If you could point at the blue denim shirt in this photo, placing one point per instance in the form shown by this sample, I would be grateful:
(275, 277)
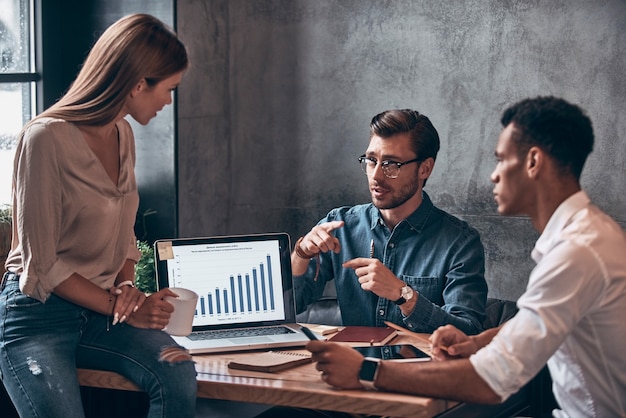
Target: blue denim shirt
(439, 256)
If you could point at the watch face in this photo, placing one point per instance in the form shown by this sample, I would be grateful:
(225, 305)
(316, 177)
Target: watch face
(368, 370)
(407, 292)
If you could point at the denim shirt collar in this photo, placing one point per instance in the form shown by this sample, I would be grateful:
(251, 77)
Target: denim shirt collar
(416, 221)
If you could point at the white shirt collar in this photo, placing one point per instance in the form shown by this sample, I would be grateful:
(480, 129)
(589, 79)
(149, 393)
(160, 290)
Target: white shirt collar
(559, 219)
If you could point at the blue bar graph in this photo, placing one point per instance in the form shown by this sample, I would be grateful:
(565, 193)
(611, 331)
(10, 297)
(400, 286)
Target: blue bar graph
(263, 299)
(271, 283)
(247, 293)
(256, 290)
(202, 310)
(240, 284)
(244, 295)
(232, 292)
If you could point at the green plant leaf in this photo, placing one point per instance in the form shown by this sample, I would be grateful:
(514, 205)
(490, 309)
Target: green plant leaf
(145, 275)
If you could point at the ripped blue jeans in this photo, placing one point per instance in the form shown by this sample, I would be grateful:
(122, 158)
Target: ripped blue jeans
(42, 344)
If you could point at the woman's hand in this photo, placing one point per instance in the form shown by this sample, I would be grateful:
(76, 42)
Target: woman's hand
(154, 312)
(128, 299)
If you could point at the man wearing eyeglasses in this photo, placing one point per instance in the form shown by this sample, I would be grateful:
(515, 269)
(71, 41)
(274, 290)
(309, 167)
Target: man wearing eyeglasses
(398, 258)
(572, 312)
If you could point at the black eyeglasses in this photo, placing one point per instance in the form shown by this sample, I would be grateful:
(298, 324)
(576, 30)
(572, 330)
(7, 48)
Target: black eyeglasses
(391, 169)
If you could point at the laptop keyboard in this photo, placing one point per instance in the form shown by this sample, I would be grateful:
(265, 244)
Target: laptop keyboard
(235, 333)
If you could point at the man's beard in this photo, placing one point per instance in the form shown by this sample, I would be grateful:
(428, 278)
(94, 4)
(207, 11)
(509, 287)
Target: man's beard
(398, 198)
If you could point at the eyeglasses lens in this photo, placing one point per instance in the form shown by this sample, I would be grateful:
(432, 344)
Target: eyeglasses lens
(389, 170)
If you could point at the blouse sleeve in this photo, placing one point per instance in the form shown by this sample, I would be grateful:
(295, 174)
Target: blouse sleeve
(133, 252)
(38, 203)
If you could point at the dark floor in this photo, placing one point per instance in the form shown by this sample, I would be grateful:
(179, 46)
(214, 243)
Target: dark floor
(99, 403)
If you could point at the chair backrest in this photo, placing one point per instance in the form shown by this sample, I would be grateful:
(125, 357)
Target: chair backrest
(324, 311)
(498, 311)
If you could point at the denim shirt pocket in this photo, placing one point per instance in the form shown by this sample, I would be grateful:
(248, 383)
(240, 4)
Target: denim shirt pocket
(429, 287)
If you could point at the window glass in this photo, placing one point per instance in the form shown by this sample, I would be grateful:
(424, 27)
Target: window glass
(13, 110)
(15, 36)
(16, 103)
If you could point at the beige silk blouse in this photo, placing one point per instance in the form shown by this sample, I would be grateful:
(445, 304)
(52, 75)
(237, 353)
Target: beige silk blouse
(70, 216)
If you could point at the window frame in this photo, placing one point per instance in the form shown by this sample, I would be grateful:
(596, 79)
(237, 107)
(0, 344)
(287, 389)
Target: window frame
(35, 76)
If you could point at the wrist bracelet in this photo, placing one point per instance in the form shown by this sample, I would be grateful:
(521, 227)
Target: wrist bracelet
(300, 252)
(125, 283)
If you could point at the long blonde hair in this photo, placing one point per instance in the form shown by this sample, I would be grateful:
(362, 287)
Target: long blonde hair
(136, 47)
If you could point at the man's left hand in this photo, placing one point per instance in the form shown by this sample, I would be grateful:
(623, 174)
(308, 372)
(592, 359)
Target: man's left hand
(375, 277)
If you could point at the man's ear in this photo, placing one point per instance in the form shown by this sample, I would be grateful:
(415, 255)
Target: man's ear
(426, 168)
(535, 160)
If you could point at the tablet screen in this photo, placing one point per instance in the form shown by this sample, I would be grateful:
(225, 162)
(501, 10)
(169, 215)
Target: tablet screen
(404, 352)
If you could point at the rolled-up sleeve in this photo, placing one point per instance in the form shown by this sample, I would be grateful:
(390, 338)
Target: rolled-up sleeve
(562, 288)
(38, 199)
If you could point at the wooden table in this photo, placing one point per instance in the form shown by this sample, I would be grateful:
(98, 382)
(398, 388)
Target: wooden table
(299, 386)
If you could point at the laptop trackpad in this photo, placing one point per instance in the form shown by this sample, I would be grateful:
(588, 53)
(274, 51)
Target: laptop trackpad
(251, 340)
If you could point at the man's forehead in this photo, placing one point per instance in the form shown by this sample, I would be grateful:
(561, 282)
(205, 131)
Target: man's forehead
(398, 142)
(507, 139)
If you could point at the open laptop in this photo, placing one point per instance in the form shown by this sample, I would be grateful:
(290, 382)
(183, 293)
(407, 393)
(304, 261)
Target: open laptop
(245, 290)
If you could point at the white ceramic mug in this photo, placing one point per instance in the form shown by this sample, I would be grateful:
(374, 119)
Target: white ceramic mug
(181, 319)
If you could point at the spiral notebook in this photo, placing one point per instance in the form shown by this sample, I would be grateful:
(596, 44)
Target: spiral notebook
(270, 361)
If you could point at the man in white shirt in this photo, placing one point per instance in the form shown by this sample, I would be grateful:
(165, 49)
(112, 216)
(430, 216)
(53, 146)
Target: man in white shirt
(573, 312)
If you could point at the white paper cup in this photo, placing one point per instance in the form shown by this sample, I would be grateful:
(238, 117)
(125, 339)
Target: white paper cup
(184, 310)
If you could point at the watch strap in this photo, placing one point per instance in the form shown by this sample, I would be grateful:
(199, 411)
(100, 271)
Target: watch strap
(400, 301)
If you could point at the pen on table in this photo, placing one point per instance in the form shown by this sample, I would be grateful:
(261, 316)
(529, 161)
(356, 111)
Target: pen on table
(406, 331)
(309, 333)
(372, 249)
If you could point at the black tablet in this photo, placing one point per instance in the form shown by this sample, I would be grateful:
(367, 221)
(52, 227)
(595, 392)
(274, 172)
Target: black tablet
(399, 352)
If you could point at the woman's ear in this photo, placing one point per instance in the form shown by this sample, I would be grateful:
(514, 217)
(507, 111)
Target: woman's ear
(139, 87)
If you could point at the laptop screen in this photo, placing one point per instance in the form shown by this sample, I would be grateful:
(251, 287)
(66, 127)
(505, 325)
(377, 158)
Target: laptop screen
(240, 280)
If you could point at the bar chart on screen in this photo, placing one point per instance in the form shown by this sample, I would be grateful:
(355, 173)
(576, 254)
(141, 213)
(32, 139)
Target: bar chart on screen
(233, 281)
(249, 293)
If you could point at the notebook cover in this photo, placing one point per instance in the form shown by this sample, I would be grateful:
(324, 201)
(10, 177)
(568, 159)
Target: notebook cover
(365, 335)
(271, 361)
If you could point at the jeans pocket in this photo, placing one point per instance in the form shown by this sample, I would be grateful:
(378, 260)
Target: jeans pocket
(17, 300)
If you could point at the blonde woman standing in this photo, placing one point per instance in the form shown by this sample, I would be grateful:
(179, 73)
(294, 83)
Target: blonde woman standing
(67, 295)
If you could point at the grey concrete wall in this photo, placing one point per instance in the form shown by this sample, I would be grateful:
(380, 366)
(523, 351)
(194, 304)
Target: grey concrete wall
(276, 107)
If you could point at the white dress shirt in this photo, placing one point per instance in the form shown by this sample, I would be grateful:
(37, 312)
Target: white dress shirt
(572, 316)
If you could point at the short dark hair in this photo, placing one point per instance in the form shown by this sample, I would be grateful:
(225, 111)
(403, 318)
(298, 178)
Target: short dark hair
(559, 128)
(424, 136)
